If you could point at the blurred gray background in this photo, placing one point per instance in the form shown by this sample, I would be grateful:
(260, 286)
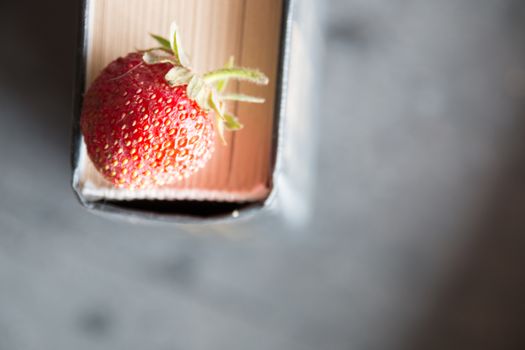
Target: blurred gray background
(417, 239)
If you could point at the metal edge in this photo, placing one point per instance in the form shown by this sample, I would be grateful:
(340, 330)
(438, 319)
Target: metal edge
(110, 210)
(79, 84)
(282, 90)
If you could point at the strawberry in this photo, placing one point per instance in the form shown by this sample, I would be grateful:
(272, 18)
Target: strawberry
(148, 119)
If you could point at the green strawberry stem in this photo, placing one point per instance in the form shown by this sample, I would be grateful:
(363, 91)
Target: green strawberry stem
(205, 89)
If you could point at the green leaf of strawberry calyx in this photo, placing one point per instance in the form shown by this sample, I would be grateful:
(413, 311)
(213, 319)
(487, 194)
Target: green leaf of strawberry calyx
(157, 56)
(177, 76)
(237, 73)
(163, 42)
(232, 123)
(221, 85)
(243, 98)
(196, 90)
(206, 89)
(195, 87)
(215, 104)
(176, 45)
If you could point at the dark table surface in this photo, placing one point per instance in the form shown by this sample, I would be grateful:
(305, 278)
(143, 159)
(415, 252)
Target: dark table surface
(418, 234)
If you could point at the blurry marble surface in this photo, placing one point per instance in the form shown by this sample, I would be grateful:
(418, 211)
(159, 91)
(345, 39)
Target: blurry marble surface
(418, 235)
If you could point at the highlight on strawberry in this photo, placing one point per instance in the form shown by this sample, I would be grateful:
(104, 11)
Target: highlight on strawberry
(148, 119)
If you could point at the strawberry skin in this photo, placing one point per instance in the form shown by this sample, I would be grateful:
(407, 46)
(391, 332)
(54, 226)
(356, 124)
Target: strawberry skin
(140, 131)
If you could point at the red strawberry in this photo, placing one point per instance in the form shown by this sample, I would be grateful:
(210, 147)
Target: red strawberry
(141, 131)
(146, 119)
